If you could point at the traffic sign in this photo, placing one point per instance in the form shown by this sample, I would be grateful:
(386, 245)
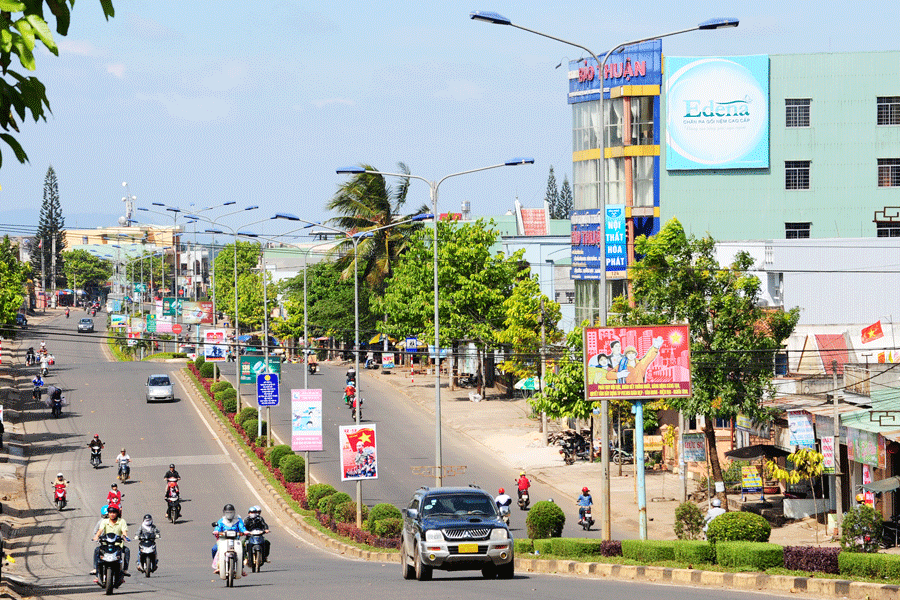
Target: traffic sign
(176, 328)
(267, 389)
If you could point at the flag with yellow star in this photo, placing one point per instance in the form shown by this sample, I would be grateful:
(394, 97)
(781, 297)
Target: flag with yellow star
(872, 332)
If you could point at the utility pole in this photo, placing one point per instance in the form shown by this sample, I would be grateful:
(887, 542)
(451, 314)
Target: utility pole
(43, 272)
(53, 266)
(544, 374)
(838, 495)
(682, 464)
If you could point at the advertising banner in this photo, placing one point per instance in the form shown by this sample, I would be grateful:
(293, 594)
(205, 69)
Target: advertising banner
(151, 323)
(158, 307)
(137, 324)
(862, 446)
(802, 434)
(252, 366)
(359, 455)
(267, 389)
(195, 312)
(745, 423)
(164, 324)
(616, 238)
(215, 348)
(694, 447)
(387, 360)
(306, 420)
(637, 363)
(751, 481)
(169, 307)
(117, 320)
(828, 454)
(717, 112)
(412, 344)
(589, 231)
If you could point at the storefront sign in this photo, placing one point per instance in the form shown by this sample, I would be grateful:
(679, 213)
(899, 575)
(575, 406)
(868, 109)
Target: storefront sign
(751, 480)
(802, 434)
(616, 238)
(694, 447)
(638, 64)
(359, 455)
(862, 446)
(638, 363)
(717, 112)
(828, 453)
(306, 420)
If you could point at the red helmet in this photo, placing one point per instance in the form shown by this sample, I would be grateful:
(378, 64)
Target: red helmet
(501, 491)
(96, 436)
(584, 490)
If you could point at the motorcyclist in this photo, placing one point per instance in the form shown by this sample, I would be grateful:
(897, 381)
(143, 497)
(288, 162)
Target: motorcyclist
(43, 348)
(172, 493)
(351, 376)
(114, 497)
(38, 383)
(60, 482)
(148, 531)
(713, 512)
(114, 523)
(45, 362)
(96, 444)
(55, 396)
(502, 498)
(67, 312)
(172, 474)
(230, 521)
(349, 392)
(30, 356)
(523, 483)
(123, 460)
(584, 500)
(255, 521)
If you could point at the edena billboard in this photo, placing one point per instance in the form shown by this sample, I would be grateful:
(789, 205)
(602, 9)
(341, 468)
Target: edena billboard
(717, 112)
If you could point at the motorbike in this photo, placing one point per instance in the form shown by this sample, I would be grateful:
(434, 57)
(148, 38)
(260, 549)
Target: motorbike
(586, 520)
(504, 513)
(110, 572)
(371, 363)
(124, 472)
(95, 457)
(59, 495)
(67, 313)
(230, 556)
(312, 367)
(524, 499)
(621, 456)
(173, 508)
(56, 405)
(147, 552)
(353, 408)
(256, 544)
(93, 312)
(45, 370)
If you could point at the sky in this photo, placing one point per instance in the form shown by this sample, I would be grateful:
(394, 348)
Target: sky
(199, 103)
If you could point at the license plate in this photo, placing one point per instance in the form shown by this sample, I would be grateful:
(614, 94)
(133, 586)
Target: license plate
(468, 548)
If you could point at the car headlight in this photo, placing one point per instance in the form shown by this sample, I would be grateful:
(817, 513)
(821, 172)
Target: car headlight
(433, 535)
(499, 533)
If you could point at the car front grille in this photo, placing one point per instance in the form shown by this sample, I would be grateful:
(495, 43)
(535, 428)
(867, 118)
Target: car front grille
(453, 550)
(467, 534)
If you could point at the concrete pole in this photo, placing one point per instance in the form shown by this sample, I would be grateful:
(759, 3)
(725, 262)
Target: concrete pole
(682, 464)
(53, 265)
(838, 496)
(43, 274)
(544, 440)
(639, 468)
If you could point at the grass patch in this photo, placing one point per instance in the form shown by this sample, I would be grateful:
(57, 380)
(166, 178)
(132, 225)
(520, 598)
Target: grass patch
(315, 523)
(116, 351)
(165, 355)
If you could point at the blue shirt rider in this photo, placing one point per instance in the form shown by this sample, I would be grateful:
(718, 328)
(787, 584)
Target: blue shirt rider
(584, 500)
(230, 521)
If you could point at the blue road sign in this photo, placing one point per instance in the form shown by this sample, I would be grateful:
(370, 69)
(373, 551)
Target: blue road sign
(267, 389)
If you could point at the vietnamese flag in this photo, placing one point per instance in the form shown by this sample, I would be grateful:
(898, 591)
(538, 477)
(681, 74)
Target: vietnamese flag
(366, 436)
(872, 332)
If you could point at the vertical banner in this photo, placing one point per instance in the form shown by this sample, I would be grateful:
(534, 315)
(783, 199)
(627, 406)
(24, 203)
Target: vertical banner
(801, 427)
(387, 360)
(867, 478)
(694, 447)
(306, 420)
(214, 348)
(158, 307)
(616, 238)
(637, 363)
(207, 308)
(168, 307)
(828, 453)
(359, 456)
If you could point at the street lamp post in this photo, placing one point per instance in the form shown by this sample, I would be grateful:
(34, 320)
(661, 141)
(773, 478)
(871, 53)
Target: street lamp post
(433, 191)
(719, 23)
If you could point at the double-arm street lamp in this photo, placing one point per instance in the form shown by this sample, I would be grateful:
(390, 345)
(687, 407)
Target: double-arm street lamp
(719, 23)
(433, 190)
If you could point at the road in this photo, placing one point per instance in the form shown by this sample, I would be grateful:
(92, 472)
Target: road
(107, 398)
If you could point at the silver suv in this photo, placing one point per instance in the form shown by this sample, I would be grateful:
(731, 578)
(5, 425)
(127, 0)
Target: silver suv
(454, 529)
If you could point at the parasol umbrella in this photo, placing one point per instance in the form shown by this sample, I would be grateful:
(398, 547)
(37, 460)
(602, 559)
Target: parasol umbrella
(767, 451)
(530, 383)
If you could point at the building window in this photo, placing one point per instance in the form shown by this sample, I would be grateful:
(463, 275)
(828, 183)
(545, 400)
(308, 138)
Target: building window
(889, 110)
(887, 228)
(796, 112)
(796, 175)
(586, 126)
(889, 172)
(84, 239)
(796, 231)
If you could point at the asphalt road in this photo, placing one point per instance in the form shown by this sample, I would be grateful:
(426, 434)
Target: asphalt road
(107, 398)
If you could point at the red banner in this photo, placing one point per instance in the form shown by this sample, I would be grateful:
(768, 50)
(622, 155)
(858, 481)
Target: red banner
(872, 332)
(637, 363)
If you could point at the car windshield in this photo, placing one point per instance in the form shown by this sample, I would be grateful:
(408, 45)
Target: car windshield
(459, 504)
(86, 321)
(159, 380)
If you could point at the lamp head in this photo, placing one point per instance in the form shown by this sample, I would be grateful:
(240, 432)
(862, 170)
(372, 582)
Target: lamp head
(251, 208)
(519, 160)
(229, 203)
(718, 23)
(422, 217)
(217, 231)
(489, 17)
(351, 171)
(286, 217)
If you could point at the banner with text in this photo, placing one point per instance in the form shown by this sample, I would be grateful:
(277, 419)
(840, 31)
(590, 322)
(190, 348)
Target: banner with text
(251, 366)
(215, 349)
(306, 420)
(359, 455)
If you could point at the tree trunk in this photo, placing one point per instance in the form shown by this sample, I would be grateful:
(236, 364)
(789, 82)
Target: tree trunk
(479, 376)
(710, 432)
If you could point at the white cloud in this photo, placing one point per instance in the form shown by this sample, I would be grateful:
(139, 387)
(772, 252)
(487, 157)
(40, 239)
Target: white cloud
(78, 47)
(461, 90)
(321, 103)
(226, 77)
(117, 69)
(200, 108)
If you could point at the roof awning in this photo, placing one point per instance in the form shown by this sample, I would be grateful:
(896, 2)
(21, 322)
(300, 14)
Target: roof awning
(767, 451)
(883, 485)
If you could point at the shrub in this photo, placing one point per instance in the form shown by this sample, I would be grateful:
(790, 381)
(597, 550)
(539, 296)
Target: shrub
(874, 566)
(648, 551)
(541, 546)
(179, 355)
(545, 519)
(688, 521)
(389, 527)
(811, 558)
(198, 362)
(220, 385)
(276, 453)
(246, 413)
(208, 370)
(695, 552)
(738, 527)
(611, 548)
(575, 547)
(251, 429)
(292, 467)
(316, 492)
(226, 394)
(328, 503)
(758, 555)
(229, 406)
(345, 512)
(383, 511)
(861, 529)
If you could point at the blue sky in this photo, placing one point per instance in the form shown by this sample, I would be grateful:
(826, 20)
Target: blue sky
(199, 103)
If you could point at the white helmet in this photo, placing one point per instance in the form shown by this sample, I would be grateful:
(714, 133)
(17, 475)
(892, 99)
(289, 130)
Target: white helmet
(716, 503)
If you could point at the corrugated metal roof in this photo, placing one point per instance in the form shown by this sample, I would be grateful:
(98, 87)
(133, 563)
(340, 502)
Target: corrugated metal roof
(882, 418)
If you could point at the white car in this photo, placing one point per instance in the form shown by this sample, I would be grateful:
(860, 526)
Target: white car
(159, 387)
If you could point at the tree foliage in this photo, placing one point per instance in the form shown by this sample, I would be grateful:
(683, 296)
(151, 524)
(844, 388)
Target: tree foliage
(733, 339)
(551, 198)
(522, 327)
(21, 25)
(13, 276)
(566, 202)
(150, 268)
(50, 227)
(249, 285)
(85, 269)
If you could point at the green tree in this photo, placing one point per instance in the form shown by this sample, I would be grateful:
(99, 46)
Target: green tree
(566, 203)
(50, 227)
(21, 24)
(13, 277)
(86, 270)
(522, 327)
(249, 285)
(551, 198)
(733, 339)
(150, 270)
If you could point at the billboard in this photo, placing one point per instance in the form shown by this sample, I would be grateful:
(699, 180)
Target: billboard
(215, 347)
(306, 420)
(589, 230)
(196, 312)
(637, 363)
(251, 366)
(117, 320)
(717, 112)
(359, 455)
